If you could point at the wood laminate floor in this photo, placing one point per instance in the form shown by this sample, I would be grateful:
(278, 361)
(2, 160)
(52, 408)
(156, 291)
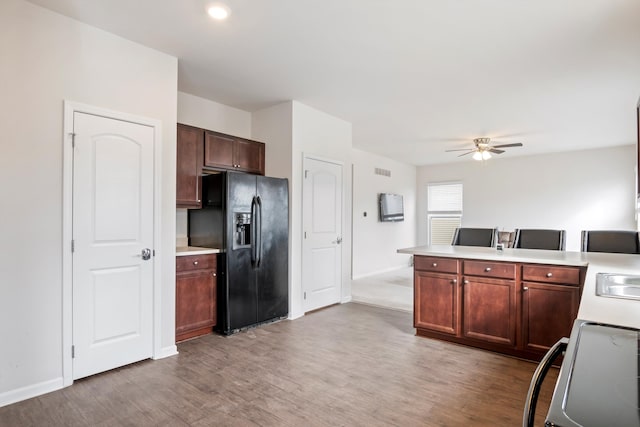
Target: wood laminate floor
(348, 365)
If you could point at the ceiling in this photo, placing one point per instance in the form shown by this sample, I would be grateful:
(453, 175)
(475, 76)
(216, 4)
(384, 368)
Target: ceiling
(414, 77)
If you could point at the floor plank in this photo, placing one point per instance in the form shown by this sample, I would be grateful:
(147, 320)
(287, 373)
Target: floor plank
(347, 365)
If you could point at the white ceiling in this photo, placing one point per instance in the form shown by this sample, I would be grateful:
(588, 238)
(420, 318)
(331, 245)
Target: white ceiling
(414, 77)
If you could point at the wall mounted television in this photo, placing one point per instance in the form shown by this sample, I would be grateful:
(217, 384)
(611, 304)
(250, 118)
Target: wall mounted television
(391, 207)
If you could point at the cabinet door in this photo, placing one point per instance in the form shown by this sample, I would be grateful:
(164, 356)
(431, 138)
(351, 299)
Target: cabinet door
(249, 156)
(548, 312)
(490, 310)
(195, 302)
(436, 302)
(218, 151)
(189, 167)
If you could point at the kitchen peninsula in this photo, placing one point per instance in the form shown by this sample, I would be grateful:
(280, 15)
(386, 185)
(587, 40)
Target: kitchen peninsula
(515, 301)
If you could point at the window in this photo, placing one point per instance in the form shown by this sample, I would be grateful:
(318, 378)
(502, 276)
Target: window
(444, 211)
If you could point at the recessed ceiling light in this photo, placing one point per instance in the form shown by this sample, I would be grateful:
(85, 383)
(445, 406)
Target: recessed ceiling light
(219, 12)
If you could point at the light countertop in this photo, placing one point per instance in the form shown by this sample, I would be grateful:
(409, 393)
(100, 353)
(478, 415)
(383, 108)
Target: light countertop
(194, 250)
(615, 311)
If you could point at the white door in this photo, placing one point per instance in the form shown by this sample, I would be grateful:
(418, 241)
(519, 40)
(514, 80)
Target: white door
(112, 225)
(322, 235)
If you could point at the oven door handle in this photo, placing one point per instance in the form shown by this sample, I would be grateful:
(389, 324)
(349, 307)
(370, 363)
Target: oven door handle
(538, 376)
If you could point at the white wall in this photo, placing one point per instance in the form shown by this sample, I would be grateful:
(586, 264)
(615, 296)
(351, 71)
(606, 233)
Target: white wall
(46, 59)
(211, 115)
(590, 189)
(206, 114)
(374, 242)
(316, 133)
(291, 129)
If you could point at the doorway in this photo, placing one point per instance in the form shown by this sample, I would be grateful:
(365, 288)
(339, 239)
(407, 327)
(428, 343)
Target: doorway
(111, 220)
(322, 202)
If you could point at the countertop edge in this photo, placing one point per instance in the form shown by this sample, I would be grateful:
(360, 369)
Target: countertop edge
(193, 250)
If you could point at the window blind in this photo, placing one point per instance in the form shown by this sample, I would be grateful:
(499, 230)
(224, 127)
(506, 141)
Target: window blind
(441, 228)
(444, 197)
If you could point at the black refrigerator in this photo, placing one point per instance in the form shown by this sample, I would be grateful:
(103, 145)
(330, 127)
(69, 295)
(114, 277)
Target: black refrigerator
(248, 217)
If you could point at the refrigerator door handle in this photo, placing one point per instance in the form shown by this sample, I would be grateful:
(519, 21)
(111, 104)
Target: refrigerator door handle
(259, 234)
(253, 232)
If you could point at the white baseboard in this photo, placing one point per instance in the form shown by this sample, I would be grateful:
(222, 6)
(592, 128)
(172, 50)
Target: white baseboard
(24, 393)
(168, 351)
(297, 315)
(375, 273)
(346, 299)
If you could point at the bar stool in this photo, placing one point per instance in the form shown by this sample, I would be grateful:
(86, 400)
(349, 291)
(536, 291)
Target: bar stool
(464, 236)
(612, 241)
(540, 239)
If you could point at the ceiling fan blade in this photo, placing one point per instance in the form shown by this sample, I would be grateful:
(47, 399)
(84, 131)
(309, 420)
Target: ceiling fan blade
(469, 152)
(493, 150)
(460, 149)
(516, 144)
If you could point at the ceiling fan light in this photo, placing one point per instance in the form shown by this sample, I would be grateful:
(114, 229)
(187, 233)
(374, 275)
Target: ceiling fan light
(486, 155)
(477, 156)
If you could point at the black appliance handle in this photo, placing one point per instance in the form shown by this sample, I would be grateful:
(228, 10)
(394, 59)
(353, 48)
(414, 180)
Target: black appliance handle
(259, 234)
(536, 381)
(252, 230)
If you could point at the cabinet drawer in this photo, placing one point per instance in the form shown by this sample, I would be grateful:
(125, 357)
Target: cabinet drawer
(501, 270)
(195, 262)
(551, 274)
(438, 265)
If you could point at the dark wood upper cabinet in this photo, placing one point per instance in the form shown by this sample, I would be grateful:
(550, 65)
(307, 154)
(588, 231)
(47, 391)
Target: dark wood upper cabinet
(218, 150)
(638, 150)
(229, 152)
(190, 144)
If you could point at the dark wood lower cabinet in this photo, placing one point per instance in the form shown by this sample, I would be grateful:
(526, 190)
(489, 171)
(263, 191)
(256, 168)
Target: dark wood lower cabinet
(522, 311)
(437, 302)
(548, 312)
(490, 310)
(195, 295)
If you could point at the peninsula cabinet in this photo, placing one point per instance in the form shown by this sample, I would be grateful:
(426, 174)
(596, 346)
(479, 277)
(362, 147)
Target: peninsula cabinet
(190, 146)
(437, 295)
(196, 312)
(229, 152)
(490, 302)
(514, 308)
(550, 300)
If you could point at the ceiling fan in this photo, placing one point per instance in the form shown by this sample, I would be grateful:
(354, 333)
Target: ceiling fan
(483, 149)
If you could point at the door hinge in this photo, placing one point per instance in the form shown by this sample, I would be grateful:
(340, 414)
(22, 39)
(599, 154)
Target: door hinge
(73, 139)
(305, 234)
(153, 252)
(73, 246)
(306, 173)
(73, 351)
(305, 295)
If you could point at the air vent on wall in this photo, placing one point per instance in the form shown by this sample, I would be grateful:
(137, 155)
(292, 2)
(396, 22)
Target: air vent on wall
(383, 172)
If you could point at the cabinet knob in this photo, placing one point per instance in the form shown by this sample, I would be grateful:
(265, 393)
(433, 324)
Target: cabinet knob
(213, 274)
(466, 282)
(488, 269)
(454, 281)
(198, 200)
(195, 262)
(549, 274)
(435, 264)
(525, 288)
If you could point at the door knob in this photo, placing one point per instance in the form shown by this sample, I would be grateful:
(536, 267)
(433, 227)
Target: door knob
(146, 254)
(338, 240)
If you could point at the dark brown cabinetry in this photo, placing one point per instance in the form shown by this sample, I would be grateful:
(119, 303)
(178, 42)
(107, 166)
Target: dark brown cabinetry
(195, 295)
(515, 308)
(490, 302)
(550, 300)
(229, 152)
(190, 145)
